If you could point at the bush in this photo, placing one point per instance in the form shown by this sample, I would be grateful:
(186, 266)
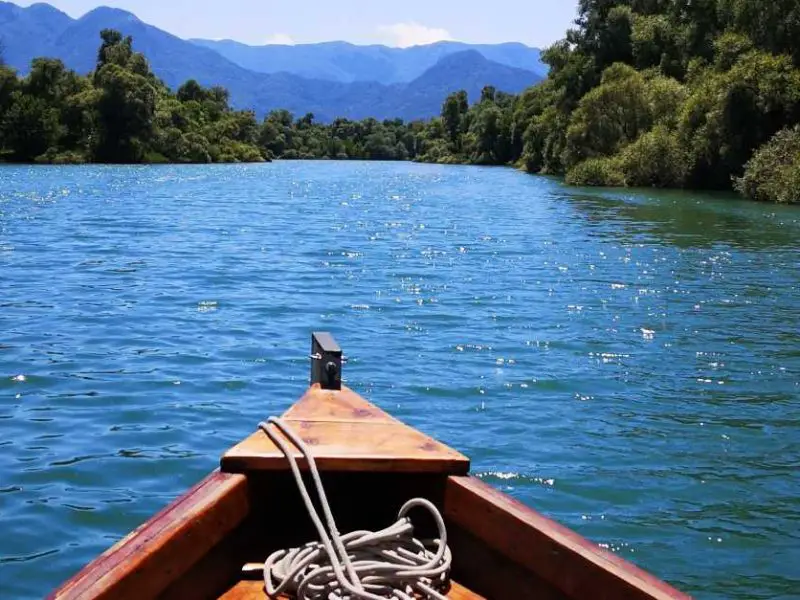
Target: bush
(54, 157)
(656, 159)
(596, 172)
(773, 174)
(155, 158)
(610, 116)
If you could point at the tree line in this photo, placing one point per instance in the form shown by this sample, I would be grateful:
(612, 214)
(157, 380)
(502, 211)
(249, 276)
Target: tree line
(668, 93)
(672, 93)
(122, 113)
(702, 94)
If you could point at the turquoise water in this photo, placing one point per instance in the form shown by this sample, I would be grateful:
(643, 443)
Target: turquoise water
(627, 363)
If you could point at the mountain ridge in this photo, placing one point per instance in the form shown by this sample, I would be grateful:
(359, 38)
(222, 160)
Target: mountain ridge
(41, 30)
(347, 62)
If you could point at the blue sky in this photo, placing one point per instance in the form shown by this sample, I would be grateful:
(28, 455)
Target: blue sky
(392, 22)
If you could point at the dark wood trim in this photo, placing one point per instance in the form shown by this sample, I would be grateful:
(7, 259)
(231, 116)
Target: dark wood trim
(146, 562)
(561, 557)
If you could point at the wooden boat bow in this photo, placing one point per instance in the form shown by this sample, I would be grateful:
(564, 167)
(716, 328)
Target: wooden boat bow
(347, 433)
(502, 549)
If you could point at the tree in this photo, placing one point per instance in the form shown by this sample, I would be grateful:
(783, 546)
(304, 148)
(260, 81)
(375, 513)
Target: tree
(773, 25)
(126, 109)
(30, 127)
(51, 81)
(113, 49)
(610, 116)
(773, 174)
(453, 111)
(488, 94)
(191, 91)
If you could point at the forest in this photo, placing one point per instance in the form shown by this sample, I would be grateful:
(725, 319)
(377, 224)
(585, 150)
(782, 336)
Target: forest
(701, 94)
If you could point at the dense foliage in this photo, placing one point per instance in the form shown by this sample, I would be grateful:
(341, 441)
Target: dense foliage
(773, 174)
(120, 113)
(667, 93)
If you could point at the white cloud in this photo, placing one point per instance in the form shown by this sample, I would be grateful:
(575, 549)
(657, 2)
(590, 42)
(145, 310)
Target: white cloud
(412, 33)
(280, 39)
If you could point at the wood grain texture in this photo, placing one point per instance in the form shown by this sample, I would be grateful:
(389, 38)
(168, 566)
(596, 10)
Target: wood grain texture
(217, 571)
(492, 574)
(153, 556)
(254, 590)
(347, 433)
(559, 556)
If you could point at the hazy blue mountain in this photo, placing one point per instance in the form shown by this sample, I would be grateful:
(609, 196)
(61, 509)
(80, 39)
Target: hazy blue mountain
(468, 70)
(341, 61)
(40, 30)
(27, 32)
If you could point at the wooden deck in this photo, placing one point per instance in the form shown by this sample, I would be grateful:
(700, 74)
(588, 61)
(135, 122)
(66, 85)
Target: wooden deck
(347, 433)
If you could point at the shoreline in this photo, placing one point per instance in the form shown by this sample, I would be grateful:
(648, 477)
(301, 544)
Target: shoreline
(560, 178)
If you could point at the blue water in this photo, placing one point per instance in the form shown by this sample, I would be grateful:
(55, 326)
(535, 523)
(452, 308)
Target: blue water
(625, 362)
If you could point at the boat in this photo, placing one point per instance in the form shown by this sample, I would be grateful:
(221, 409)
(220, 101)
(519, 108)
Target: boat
(213, 541)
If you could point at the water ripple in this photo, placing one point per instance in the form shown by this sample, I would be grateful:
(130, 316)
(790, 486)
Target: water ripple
(626, 363)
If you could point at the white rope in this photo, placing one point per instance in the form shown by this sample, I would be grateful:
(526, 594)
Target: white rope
(363, 565)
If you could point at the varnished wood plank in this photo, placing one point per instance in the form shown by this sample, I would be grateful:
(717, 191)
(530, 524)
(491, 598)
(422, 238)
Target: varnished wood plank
(347, 433)
(569, 562)
(323, 405)
(254, 590)
(218, 570)
(153, 556)
(492, 574)
(459, 592)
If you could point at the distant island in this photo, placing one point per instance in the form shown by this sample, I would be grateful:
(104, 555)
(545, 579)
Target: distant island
(668, 95)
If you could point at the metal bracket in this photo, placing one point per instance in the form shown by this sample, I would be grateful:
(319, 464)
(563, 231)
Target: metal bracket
(326, 361)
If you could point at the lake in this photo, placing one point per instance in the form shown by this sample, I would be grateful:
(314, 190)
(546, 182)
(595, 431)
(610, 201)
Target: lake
(626, 362)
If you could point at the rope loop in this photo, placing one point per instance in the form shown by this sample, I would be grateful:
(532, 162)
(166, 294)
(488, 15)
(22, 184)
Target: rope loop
(361, 565)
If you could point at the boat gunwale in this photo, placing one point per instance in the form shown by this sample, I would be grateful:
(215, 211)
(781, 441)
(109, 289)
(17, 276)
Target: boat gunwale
(542, 546)
(161, 551)
(184, 531)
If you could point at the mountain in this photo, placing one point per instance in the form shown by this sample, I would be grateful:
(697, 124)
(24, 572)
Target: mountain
(341, 61)
(468, 70)
(26, 32)
(41, 30)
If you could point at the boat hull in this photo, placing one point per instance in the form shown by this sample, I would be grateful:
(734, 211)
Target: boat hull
(196, 547)
(204, 545)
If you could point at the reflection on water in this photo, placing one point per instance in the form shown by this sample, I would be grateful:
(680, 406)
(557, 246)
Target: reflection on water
(689, 219)
(624, 361)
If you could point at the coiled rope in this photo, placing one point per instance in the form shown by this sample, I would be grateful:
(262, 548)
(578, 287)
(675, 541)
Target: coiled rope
(381, 565)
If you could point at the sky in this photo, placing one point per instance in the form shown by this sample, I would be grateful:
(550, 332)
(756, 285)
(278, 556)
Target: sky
(392, 22)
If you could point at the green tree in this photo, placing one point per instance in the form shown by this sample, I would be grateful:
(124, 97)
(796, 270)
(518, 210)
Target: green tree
(126, 108)
(453, 111)
(191, 91)
(773, 174)
(30, 127)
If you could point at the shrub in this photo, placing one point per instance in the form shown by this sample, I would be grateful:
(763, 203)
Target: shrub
(656, 159)
(68, 157)
(773, 174)
(155, 158)
(596, 172)
(610, 116)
